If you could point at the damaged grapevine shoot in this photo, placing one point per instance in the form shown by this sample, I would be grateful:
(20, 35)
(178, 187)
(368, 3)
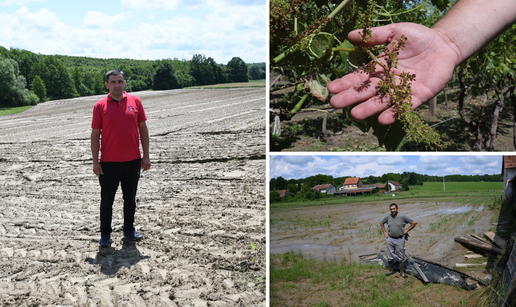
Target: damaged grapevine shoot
(309, 48)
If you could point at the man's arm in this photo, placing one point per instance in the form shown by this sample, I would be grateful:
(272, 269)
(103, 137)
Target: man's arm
(410, 227)
(472, 24)
(95, 146)
(384, 231)
(144, 138)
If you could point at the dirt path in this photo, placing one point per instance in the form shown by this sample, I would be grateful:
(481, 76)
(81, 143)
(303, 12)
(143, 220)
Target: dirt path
(201, 207)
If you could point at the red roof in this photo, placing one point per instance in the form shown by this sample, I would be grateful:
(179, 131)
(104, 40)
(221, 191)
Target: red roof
(353, 180)
(282, 193)
(395, 183)
(509, 161)
(321, 186)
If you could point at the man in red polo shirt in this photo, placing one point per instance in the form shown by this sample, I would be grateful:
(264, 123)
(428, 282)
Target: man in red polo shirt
(117, 127)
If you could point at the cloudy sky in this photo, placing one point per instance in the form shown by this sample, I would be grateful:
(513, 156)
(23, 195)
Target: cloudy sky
(302, 166)
(137, 29)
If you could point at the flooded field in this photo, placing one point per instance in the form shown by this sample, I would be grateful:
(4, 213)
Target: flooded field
(344, 232)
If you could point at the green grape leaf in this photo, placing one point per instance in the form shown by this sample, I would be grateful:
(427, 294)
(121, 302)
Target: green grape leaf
(321, 45)
(441, 4)
(318, 87)
(390, 135)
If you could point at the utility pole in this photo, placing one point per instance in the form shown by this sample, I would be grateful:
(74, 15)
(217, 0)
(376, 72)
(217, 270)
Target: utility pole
(444, 186)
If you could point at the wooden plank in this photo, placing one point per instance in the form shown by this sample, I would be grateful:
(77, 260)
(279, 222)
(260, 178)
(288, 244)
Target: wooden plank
(472, 256)
(496, 239)
(487, 248)
(479, 238)
(468, 265)
(417, 268)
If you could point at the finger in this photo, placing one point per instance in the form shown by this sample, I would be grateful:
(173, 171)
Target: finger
(370, 107)
(388, 116)
(381, 35)
(349, 80)
(355, 94)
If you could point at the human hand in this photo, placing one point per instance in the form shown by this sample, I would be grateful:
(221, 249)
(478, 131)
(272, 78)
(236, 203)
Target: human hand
(145, 164)
(97, 169)
(428, 53)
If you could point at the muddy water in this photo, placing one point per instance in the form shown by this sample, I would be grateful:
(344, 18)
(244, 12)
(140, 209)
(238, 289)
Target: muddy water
(345, 232)
(200, 208)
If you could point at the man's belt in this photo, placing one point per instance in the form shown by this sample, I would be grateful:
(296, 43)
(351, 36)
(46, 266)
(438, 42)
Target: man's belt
(396, 237)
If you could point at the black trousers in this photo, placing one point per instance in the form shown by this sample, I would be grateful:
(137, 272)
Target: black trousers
(127, 175)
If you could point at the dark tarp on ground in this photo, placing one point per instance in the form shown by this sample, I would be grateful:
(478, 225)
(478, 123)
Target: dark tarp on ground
(434, 273)
(505, 294)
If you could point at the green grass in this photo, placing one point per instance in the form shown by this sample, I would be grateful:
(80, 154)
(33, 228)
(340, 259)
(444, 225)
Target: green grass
(472, 193)
(458, 187)
(10, 111)
(252, 83)
(336, 284)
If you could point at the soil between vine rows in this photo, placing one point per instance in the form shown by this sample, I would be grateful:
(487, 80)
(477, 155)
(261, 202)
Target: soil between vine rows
(201, 207)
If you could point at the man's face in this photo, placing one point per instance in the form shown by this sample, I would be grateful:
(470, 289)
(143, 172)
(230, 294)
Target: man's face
(115, 85)
(394, 210)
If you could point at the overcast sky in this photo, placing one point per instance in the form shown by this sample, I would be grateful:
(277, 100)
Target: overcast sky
(137, 29)
(302, 166)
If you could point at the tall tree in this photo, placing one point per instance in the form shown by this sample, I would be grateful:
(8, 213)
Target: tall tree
(38, 87)
(164, 79)
(237, 70)
(12, 85)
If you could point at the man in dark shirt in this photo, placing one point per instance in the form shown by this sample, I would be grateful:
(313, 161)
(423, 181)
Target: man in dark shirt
(396, 237)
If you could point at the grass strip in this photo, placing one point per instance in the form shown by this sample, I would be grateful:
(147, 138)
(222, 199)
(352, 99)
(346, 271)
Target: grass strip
(10, 111)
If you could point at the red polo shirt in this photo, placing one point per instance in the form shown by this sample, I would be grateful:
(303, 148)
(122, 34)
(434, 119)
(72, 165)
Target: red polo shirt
(119, 124)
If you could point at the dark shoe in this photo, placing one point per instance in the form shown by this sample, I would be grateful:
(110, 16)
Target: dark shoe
(133, 235)
(104, 240)
(390, 267)
(402, 270)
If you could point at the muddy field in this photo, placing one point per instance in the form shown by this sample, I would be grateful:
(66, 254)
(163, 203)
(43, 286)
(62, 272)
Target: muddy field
(200, 208)
(345, 232)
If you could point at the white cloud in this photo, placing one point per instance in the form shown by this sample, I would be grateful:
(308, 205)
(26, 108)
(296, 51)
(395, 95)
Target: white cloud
(391, 160)
(435, 162)
(96, 20)
(223, 33)
(298, 160)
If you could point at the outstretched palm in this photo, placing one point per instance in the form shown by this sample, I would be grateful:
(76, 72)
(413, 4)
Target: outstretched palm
(427, 54)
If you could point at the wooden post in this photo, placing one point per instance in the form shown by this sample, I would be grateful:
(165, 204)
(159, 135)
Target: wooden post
(432, 105)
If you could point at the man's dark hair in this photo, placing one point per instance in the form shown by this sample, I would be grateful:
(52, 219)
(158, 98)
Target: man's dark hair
(393, 204)
(114, 72)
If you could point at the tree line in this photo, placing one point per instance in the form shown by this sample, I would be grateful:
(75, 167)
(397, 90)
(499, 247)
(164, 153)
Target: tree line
(27, 78)
(408, 178)
(300, 189)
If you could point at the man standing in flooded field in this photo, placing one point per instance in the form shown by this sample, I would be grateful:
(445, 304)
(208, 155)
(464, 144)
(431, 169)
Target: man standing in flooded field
(396, 237)
(118, 125)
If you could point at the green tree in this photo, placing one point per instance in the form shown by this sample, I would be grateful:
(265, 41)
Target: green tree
(164, 79)
(237, 70)
(281, 183)
(292, 187)
(12, 85)
(274, 196)
(38, 87)
(201, 70)
(255, 72)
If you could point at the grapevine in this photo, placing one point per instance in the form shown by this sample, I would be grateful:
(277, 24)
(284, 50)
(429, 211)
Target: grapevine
(312, 50)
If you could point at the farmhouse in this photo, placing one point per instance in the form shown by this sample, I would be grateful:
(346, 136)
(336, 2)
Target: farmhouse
(394, 185)
(283, 193)
(329, 189)
(354, 186)
(352, 183)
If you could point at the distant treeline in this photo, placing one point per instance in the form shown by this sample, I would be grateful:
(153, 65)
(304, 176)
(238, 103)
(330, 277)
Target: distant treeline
(27, 78)
(405, 178)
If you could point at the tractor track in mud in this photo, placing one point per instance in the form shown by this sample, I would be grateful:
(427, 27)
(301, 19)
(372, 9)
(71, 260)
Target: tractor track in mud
(201, 207)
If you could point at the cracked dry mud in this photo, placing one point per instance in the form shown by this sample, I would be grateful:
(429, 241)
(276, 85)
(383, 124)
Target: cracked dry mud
(201, 207)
